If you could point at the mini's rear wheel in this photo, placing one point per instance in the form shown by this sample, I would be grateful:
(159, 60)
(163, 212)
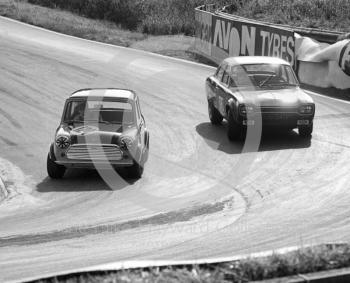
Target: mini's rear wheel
(214, 115)
(146, 152)
(305, 131)
(234, 130)
(54, 170)
(135, 171)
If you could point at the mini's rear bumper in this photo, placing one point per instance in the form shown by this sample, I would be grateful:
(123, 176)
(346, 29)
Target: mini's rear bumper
(100, 164)
(93, 156)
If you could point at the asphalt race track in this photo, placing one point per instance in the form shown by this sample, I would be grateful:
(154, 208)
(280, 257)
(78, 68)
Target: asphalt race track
(201, 196)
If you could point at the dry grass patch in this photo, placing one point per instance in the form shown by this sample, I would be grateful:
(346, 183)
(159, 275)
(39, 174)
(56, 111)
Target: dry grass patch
(69, 23)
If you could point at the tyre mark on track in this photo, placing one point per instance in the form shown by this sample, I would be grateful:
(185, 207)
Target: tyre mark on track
(223, 182)
(78, 232)
(10, 119)
(26, 99)
(8, 142)
(48, 60)
(331, 142)
(332, 116)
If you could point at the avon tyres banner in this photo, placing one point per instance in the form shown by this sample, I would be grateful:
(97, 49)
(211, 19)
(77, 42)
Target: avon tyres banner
(241, 38)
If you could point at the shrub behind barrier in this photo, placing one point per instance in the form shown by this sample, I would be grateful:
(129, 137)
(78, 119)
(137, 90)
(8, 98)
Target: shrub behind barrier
(325, 14)
(149, 16)
(124, 12)
(177, 16)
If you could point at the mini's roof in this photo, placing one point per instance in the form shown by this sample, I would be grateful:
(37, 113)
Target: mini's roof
(104, 92)
(242, 60)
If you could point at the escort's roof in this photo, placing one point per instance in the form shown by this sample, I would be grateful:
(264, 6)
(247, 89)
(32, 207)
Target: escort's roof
(105, 92)
(242, 60)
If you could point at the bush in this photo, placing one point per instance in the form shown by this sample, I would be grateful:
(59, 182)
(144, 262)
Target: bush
(328, 14)
(177, 16)
(150, 16)
(123, 12)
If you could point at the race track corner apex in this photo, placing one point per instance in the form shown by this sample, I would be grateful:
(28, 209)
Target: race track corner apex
(255, 91)
(100, 128)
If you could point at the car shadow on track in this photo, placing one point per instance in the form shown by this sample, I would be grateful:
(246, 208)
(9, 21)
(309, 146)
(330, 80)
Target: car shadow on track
(80, 180)
(216, 137)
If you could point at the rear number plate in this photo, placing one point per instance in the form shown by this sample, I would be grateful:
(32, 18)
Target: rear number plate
(248, 122)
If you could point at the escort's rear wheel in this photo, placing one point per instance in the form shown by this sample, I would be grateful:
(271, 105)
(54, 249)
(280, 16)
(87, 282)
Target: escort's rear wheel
(214, 115)
(305, 131)
(55, 171)
(234, 130)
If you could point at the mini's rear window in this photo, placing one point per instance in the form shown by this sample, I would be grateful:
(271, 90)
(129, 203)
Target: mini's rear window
(109, 105)
(119, 112)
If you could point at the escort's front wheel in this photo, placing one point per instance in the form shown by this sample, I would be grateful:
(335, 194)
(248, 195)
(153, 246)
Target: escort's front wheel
(214, 115)
(234, 130)
(306, 131)
(55, 171)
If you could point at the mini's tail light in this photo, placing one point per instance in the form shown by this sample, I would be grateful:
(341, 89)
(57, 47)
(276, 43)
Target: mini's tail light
(126, 142)
(62, 142)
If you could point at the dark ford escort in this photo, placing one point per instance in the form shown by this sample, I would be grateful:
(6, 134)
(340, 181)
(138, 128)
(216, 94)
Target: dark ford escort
(253, 91)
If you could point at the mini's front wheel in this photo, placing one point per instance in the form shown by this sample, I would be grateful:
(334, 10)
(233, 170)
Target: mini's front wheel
(54, 170)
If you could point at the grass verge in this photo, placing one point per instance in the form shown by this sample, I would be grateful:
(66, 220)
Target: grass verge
(305, 260)
(177, 16)
(66, 22)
